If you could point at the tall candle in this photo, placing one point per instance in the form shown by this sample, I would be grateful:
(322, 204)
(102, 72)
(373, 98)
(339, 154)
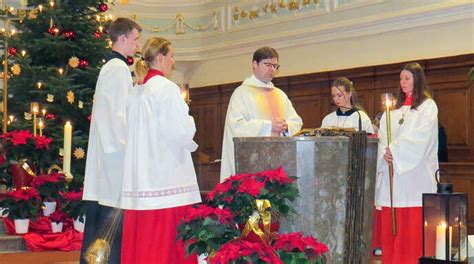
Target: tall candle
(67, 148)
(41, 126)
(441, 241)
(35, 112)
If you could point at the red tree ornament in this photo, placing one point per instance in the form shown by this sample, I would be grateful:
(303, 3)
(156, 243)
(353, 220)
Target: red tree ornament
(97, 34)
(53, 30)
(12, 51)
(50, 116)
(103, 7)
(83, 63)
(69, 34)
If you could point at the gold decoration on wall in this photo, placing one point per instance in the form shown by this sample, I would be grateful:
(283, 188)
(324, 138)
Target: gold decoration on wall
(272, 6)
(180, 24)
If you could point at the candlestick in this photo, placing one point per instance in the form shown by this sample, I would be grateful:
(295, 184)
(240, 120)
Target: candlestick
(441, 241)
(388, 104)
(67, 149)
(40, 125)
(34, 106)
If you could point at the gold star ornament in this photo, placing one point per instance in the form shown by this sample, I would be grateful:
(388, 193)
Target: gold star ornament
(73, 62)
(79, 153)
(70, 97)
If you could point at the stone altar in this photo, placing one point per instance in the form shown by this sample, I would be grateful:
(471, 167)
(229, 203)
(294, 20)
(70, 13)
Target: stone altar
(322, 165)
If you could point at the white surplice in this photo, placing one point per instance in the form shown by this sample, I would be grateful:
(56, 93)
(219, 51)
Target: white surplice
(351, 121)
(414, 149)
(247, 118)
(103, 174)
(159, 171)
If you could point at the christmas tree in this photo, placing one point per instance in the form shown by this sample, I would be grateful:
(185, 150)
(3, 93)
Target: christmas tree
(54, 60)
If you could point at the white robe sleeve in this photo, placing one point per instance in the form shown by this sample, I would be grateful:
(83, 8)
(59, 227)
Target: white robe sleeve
(411, 147)
(293, 120)
(241, 124)
(366, 123)
(180, 127)
(110, 104)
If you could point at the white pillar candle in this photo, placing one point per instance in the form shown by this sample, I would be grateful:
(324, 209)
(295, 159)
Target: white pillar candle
(441, 241)
(67, 148)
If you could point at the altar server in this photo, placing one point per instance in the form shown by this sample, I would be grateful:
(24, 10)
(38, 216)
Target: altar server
(349, 110)
(413, 153)
(159, 181)
(103, 174)
(257, 108)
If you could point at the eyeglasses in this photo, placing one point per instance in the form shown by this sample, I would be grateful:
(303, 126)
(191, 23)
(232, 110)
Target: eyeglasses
(275, 66)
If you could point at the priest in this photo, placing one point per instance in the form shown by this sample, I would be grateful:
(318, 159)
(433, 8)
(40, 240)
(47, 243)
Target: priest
(257, 108)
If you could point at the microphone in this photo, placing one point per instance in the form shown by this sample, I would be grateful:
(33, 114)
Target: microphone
(350, 108)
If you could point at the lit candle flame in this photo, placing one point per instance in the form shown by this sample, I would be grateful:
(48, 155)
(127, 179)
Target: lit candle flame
(13, 32)
(40, 8)
(23, 53)
(35, 110)
(101, 29)
(39, 85)
(43, 112)
(11, 117)
(51, 3)
(61, 71)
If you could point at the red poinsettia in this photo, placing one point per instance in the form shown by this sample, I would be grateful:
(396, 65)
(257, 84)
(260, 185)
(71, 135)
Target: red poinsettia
(42, 142)
(58, 216)
(239, 192)
(50, 185)
(246, 252)
(293, 246)
(73, 205)
(21, 145)
(22, 203)
(203, 211)
(205, 228)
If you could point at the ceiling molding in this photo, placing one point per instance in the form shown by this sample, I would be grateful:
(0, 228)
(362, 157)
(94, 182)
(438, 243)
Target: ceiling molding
(342, 30)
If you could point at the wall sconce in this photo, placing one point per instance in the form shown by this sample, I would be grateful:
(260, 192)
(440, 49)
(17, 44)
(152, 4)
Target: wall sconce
(184, 90)
(444, 226)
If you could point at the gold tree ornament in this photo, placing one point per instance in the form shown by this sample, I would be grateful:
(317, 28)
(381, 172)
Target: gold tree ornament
(33, 14)
(73, 62)
(80, 104)
(50, 98)
(16, 69)
(70, 97)
(28, 116)
(79, 153)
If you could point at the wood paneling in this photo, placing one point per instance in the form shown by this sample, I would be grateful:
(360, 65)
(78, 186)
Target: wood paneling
(461, 174)
(310, 95)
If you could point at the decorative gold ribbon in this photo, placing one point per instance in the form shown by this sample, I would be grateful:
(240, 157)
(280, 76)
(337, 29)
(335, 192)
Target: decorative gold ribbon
(27, 168)
(253, 222)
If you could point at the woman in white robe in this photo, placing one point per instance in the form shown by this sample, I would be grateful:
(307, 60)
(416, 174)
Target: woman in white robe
(348, 110)
(413, 153)
(159, 181)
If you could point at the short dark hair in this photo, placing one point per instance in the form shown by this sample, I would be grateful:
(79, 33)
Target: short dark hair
(264, 53)
(122, 26)
(421, 91)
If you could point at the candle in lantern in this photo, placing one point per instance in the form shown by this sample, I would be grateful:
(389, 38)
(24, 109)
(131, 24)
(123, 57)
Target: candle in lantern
(441, 241)
(67, 148)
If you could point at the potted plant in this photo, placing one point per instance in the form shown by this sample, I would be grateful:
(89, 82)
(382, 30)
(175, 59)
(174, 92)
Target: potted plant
(239, 193)
(74, 208)
(242, 251)
(57, 221)
(204, 229)
(22, 205)
(49, 187)
(26, 155)
(296, 248)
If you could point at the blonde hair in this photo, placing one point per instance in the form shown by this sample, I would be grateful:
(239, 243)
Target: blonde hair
(152, 47)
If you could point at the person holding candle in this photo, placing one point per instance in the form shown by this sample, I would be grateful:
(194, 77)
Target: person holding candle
(159, 181)
(103, 175)
(413, 154)
(348, 110)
